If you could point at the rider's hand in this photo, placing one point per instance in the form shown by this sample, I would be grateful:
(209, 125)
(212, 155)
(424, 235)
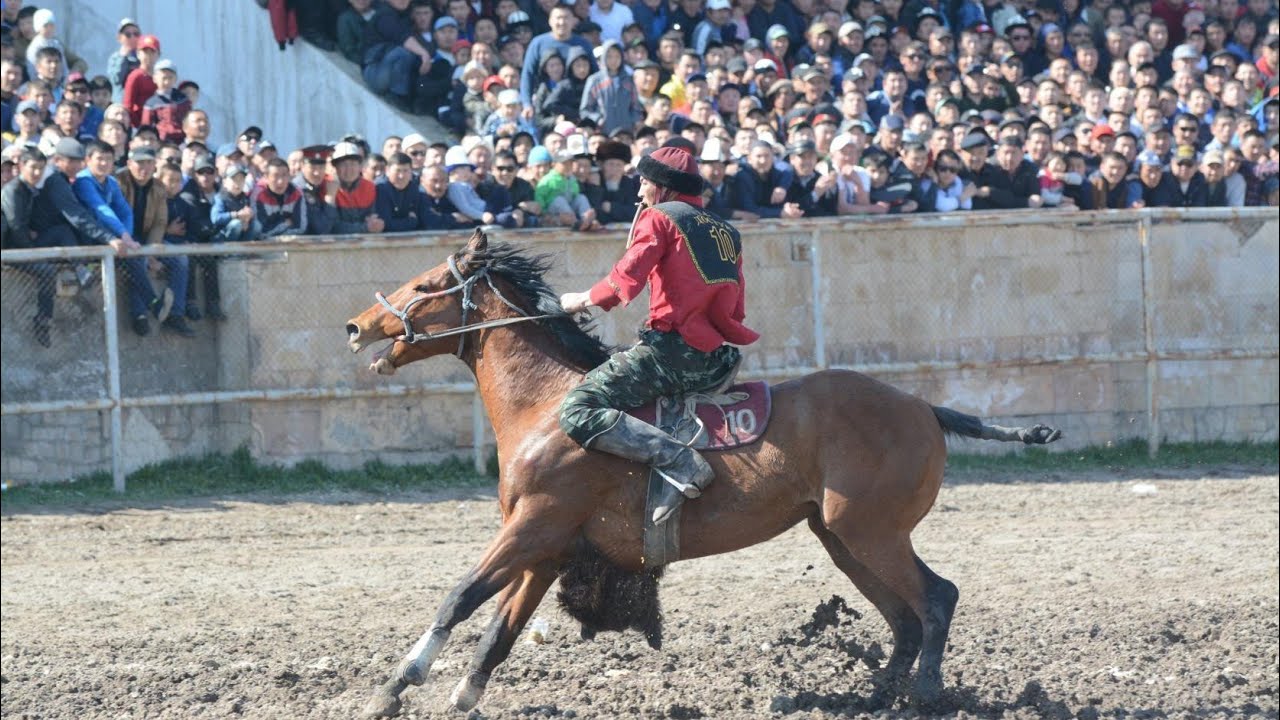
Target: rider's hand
(574, 303)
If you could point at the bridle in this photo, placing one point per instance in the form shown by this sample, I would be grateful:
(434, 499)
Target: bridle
(465, 286)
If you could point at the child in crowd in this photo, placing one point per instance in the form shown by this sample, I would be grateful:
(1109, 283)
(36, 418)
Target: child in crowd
(1052, 182)
(560, 195)
(232, 212)
(507, 117)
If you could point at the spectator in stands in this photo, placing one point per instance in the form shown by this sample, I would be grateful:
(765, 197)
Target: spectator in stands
(352, 195)
(1189, 188)
(49, 70)
(232, 212)
(198, 194)
(374, 169)
(45, 25)
(809, 190)
(609, 98)
(17, 201)
(26, 120)
(313, 183)
(462, 191)
(1211, 167)
(394, 55)
(116, 135)
(401, 203)
(67, 117)
(761, 188)
(433, 87)
(182, 226)
(140, 85)
(518, 192)
(149, 202)
(353, 25)
(508, 119)
(619, 191)
(1111, 191)
(435, 182)
(560, 195)
(100, 191)
(168, 107)
(124, 60)
(951, 192)
(562, 101)
(277, 204)
(559, 39)
(1153, 187)
(78, 91)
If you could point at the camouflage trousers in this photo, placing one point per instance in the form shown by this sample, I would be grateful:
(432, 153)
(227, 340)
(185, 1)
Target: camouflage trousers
(661, 364)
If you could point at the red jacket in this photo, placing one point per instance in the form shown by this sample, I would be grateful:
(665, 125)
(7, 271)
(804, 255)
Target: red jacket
(707, 314)
(138, 89)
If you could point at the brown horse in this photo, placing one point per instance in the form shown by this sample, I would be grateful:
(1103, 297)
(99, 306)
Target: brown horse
(860, 461)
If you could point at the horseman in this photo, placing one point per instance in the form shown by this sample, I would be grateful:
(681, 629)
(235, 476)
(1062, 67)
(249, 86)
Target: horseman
(692, 263)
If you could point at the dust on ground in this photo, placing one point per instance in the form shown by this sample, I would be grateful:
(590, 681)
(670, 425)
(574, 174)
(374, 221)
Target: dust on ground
(1094, 597)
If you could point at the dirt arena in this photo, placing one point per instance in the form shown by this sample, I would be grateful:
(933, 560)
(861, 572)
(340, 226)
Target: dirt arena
(1093, 597)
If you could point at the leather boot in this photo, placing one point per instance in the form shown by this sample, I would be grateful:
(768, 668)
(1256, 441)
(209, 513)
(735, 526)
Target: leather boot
(685, 471)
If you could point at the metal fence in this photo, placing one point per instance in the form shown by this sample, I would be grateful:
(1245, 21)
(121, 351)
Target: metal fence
(906, 298)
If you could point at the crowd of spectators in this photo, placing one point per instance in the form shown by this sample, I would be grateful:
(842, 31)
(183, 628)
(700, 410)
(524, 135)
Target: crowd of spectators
(795, 108)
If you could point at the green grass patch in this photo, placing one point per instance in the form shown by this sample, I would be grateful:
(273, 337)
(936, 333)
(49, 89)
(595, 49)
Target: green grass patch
(237, 473)
(1127, 456)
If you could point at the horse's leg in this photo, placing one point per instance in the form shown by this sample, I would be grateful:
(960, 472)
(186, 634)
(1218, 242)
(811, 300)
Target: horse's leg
(933, 598)
(517, 547)
(903, 621)
(516, 604)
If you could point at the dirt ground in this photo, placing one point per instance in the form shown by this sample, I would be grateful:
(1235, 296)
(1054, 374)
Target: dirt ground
(1099, 596)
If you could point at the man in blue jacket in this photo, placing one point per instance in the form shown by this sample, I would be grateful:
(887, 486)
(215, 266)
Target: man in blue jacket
(560, 39)
(98, 190)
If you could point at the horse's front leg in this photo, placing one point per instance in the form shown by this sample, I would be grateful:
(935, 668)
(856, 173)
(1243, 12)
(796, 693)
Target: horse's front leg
(527, 540)
(516, 604)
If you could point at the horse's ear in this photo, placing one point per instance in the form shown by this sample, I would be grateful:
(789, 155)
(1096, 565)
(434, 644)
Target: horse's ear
(477, 245)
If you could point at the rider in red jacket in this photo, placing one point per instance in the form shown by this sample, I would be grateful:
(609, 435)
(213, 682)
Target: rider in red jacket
(692, 262)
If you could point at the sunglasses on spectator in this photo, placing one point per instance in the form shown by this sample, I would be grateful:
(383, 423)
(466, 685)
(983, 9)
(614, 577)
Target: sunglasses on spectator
(1187, 128)
(948, 169)
(132, 34)
(418, 153)
(504, 168)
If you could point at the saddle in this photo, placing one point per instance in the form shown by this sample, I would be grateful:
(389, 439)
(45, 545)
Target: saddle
(722, 417)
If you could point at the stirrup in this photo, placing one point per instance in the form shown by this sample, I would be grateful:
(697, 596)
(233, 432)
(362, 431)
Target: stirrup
(672, 499)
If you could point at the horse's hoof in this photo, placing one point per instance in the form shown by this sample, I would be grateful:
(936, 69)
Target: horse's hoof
(468, 692)
(927, 693)
(382, 705)
(412, 673)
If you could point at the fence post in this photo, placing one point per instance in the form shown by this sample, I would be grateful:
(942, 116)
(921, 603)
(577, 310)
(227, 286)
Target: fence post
(109, 316)
(1149, 343)
(819, 316)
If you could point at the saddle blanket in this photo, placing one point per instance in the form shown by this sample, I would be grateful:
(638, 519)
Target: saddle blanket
(733, 418)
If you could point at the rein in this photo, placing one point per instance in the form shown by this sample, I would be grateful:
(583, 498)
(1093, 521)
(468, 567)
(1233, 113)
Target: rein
(465, 286)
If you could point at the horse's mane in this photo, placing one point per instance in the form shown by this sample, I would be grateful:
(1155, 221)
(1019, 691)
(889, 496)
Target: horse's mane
(526, 274)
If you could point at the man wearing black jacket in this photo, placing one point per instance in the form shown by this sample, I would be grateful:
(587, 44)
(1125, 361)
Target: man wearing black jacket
(17, 199)
(198, 193)
(1010, 182)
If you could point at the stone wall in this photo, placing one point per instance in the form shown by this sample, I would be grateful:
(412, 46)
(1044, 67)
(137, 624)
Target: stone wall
(1016, 317)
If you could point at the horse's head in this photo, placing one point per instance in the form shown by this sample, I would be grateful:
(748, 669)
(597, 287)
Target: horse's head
(431, 302)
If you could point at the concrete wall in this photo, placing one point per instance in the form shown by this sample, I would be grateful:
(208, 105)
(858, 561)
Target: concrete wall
(299, 96)
(976, 313)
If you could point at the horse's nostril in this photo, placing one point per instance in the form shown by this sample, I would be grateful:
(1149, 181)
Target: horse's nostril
(353, 331)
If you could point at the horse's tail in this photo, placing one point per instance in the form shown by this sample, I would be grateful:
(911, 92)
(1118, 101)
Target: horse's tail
(958, 423)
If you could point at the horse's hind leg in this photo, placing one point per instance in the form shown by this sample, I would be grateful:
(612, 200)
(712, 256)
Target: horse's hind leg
(932, 597)
(516, 604)
(903, 621)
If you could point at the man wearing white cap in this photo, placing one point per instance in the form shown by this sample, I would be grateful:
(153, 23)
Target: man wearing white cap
(712, 26)
(715, 194)
(508, 116)
(415, 146)
(45, 24)
(168, 107)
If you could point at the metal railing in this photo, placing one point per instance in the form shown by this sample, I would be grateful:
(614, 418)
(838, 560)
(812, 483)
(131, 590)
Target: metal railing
(238, 368)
